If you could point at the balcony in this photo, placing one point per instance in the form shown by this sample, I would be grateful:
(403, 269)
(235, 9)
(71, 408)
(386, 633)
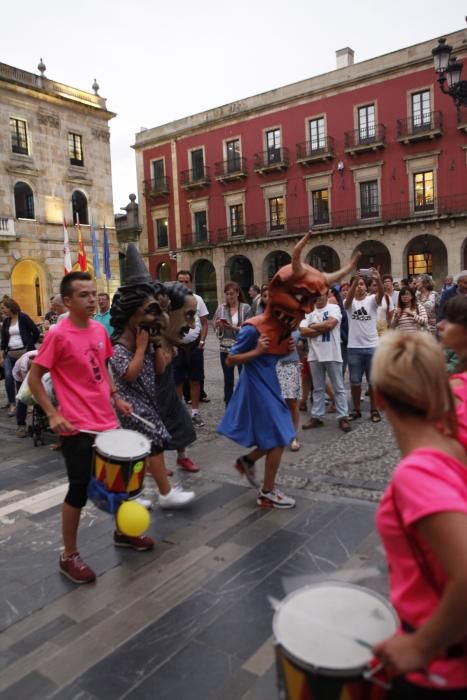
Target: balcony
(200, 239)
(159, 187)
(362, 140)
(462, 119)
(272, 160)
(195, 178)
(423, 127)
(230, 170)
(315, 152)
(7, 227)
(229, 234)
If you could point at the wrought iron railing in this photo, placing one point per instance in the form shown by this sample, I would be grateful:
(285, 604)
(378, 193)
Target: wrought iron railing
(309, 149)
(273, 157)
(419, 123)
(195, 176)
(367, 136)
(231, 167)
(156, 186)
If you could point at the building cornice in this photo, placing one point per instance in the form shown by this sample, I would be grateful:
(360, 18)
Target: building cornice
(416, 57)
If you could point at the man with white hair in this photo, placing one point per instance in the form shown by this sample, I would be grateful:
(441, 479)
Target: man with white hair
(459, 288)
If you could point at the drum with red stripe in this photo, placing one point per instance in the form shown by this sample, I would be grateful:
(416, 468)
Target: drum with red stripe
(119, 460)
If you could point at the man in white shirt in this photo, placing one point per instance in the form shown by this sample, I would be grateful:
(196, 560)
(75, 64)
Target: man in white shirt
(188, 364)
(362, 311)
(322, 328)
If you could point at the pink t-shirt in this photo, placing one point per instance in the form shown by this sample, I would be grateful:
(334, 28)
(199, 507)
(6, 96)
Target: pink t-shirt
(460, 395)
(76, 358)
(425, 482)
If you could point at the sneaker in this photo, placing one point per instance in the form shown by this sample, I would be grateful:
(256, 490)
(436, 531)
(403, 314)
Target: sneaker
(75, 569)
(295, 445)
(247, 469)
(145, 502)
(22, 432)
(197, 420)
(176, 498)
(139, 544)
(275, 499)
(187, 464)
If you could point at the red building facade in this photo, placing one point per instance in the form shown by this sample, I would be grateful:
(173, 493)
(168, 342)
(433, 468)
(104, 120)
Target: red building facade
(370, 156)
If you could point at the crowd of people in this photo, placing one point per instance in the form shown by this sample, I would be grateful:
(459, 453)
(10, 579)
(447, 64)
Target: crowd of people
(131, 362)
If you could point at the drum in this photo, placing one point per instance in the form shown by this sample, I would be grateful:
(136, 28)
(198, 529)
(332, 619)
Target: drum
(320, 634)
(119, 460)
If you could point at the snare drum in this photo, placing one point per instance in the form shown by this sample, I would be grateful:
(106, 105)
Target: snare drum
(119, 460)
(315, 629)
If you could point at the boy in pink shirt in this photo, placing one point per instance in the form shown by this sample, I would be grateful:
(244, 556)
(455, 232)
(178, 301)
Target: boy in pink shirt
(76, 354)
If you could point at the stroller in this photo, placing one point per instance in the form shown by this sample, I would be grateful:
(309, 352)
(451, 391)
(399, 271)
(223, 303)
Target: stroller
(39, 425)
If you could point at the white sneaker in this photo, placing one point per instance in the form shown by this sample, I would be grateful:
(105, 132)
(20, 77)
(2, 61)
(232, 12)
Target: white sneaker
(146, 502)
(176, 498)
(275, 499)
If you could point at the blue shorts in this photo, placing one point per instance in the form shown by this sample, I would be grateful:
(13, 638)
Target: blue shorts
(359, 361)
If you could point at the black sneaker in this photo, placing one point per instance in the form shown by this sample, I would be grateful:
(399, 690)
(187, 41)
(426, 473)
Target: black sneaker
(247, 469)
(197, 420)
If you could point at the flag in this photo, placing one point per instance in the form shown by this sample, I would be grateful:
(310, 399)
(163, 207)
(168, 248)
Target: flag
(82, 262)
(107, 271)
(95, 254)
(66, 250)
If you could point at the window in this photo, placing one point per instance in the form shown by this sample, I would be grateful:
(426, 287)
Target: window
(276, 213)
(423, 191)
(162, 233)
(317, 134)
(420, 263)
(273, 146)
(19, 136)
(233, 156)
(197, 164)
(236, 219)
(75, 149)
(158, 171)
(421, 110)
(201, 228)
(24, 201)
(320, 206)
(366, 123)
(369, 205)
(79, 204)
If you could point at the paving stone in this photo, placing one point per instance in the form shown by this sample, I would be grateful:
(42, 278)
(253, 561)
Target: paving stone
(34, 686)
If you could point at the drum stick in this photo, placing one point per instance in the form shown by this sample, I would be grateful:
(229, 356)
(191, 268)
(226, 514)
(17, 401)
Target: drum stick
(144, 420)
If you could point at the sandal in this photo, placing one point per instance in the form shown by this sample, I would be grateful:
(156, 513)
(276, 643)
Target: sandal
(354, 414)
(313, 423)
(375, 416)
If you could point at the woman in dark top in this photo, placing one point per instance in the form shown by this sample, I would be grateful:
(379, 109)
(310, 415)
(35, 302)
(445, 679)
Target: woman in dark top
(19, 334)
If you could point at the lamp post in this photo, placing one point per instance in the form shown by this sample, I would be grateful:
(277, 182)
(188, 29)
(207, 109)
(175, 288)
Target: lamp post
(449, 70)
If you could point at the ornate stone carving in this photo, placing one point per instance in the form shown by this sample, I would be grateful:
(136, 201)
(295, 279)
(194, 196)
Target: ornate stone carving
(47, 119)
(101, 135)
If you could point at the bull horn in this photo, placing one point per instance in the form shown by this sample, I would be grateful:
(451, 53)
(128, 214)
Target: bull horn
(297, 267)
(331, 277)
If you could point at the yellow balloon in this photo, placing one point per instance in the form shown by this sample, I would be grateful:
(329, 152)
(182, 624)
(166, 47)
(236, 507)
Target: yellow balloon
(132, 519)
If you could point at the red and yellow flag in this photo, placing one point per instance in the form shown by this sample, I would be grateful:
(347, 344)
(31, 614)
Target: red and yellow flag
(82, 262)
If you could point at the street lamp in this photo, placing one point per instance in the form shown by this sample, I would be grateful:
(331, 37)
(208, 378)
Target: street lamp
(449, 70)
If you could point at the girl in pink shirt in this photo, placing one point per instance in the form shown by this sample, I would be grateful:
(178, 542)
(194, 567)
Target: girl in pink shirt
(453, 335)
(422, 521)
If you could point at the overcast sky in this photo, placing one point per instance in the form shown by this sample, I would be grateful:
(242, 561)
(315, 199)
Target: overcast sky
(158, 60)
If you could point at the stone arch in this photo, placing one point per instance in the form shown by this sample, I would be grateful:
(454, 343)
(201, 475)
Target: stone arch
(29, 288)
(164, 272)
(79, 203)
(24, 200)
(374, 254)
(273, 262)
(205, 282)
(324, 258)
(239, 269)
(426, 254)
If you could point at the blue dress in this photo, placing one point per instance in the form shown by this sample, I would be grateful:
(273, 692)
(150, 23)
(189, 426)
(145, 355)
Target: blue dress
(257, 415)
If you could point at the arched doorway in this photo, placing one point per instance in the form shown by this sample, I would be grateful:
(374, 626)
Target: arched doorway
(205, 284)
(240, 270)
(273, 262)
(29, 289)
(374, 254)
(323, 258)
(164, 273)
(426, 254)
(79, 205)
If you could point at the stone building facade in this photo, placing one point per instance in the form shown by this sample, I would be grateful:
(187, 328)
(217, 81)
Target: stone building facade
(371, 155)
(54, 164)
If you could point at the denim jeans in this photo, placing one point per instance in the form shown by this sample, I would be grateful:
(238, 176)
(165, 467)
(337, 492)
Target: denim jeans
(359, 360)
(229, 378)
(333, 370)
(8, 365)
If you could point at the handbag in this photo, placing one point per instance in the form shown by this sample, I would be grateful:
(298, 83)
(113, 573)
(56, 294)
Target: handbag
(16, 354)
